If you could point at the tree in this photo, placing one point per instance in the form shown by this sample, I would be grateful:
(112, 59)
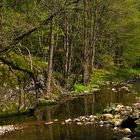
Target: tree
(50, 59)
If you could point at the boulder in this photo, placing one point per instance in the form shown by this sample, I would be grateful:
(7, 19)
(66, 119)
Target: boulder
(127, 131)
(108, 116)
(118, 122)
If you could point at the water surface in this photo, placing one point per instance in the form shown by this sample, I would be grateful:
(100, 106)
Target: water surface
(34, 127)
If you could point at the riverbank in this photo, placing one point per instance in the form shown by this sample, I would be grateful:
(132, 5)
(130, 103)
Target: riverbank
(83, 111)
(101, 78)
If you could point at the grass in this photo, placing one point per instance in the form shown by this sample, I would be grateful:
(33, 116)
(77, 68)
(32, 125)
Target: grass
(101, 75)
(78, 88)
(119, 74)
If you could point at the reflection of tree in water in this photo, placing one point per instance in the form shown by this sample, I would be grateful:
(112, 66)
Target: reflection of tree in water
(50, 126)
(85, 106)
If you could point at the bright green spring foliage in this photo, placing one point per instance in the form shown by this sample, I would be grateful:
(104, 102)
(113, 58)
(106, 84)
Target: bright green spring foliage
(104, 31)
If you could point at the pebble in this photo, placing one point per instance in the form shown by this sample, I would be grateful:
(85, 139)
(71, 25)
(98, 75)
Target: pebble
(68, 121)
(79, 123)
(125, 138)
(48, 123)
(55, 120)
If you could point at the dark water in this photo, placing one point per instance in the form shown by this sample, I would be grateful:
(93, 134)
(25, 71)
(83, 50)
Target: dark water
(34, 127)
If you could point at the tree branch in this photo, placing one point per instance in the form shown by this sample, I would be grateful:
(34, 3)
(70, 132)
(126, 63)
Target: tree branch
(15, 67)
(15, 41)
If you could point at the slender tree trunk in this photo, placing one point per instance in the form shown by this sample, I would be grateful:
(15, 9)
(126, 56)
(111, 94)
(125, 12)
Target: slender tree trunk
(0, 15)
(94, 38)
(50, 61)
(85, 44)
(66, 51)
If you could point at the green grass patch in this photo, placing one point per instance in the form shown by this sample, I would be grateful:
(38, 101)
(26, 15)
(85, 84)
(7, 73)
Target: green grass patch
(101, 75)
(119, 74)
(78, 88)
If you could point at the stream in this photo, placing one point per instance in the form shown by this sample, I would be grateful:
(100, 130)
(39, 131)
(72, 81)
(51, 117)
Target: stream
(34, 127)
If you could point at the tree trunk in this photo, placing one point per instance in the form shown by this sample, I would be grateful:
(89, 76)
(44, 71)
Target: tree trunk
(50, 60)
(0, 15)
(85, 44)
(66, 51)
(94, 38)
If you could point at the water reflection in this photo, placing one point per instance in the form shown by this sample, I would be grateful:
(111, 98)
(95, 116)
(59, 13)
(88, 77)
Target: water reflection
(35, 128)
(85, 105)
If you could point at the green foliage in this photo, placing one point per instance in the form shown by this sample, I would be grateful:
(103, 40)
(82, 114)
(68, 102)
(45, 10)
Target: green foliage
(78, 88)
(123, 74)
(107, 61)
(100, 75)
(117, 40)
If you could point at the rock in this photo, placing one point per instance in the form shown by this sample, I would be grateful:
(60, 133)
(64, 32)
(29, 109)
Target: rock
(95, 89)
(92, 120)
(55, 120)
(115, 128)
(87, 119)
(68, 121)
(108, 116)
(62, 123)
(86, 91)
(8, 128)
(125, 88)
(127, 130)
(118, 122)
(79, 123)
(117, 116)
(125, 138)
(88, 123)
(76, 120)
(48, 123)
(119, 108)
(136, 105)
(138, 122)
(101, 122)
(108, 125)
(138, 99)
(125, 113)
(82, 118)
(114, 90)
